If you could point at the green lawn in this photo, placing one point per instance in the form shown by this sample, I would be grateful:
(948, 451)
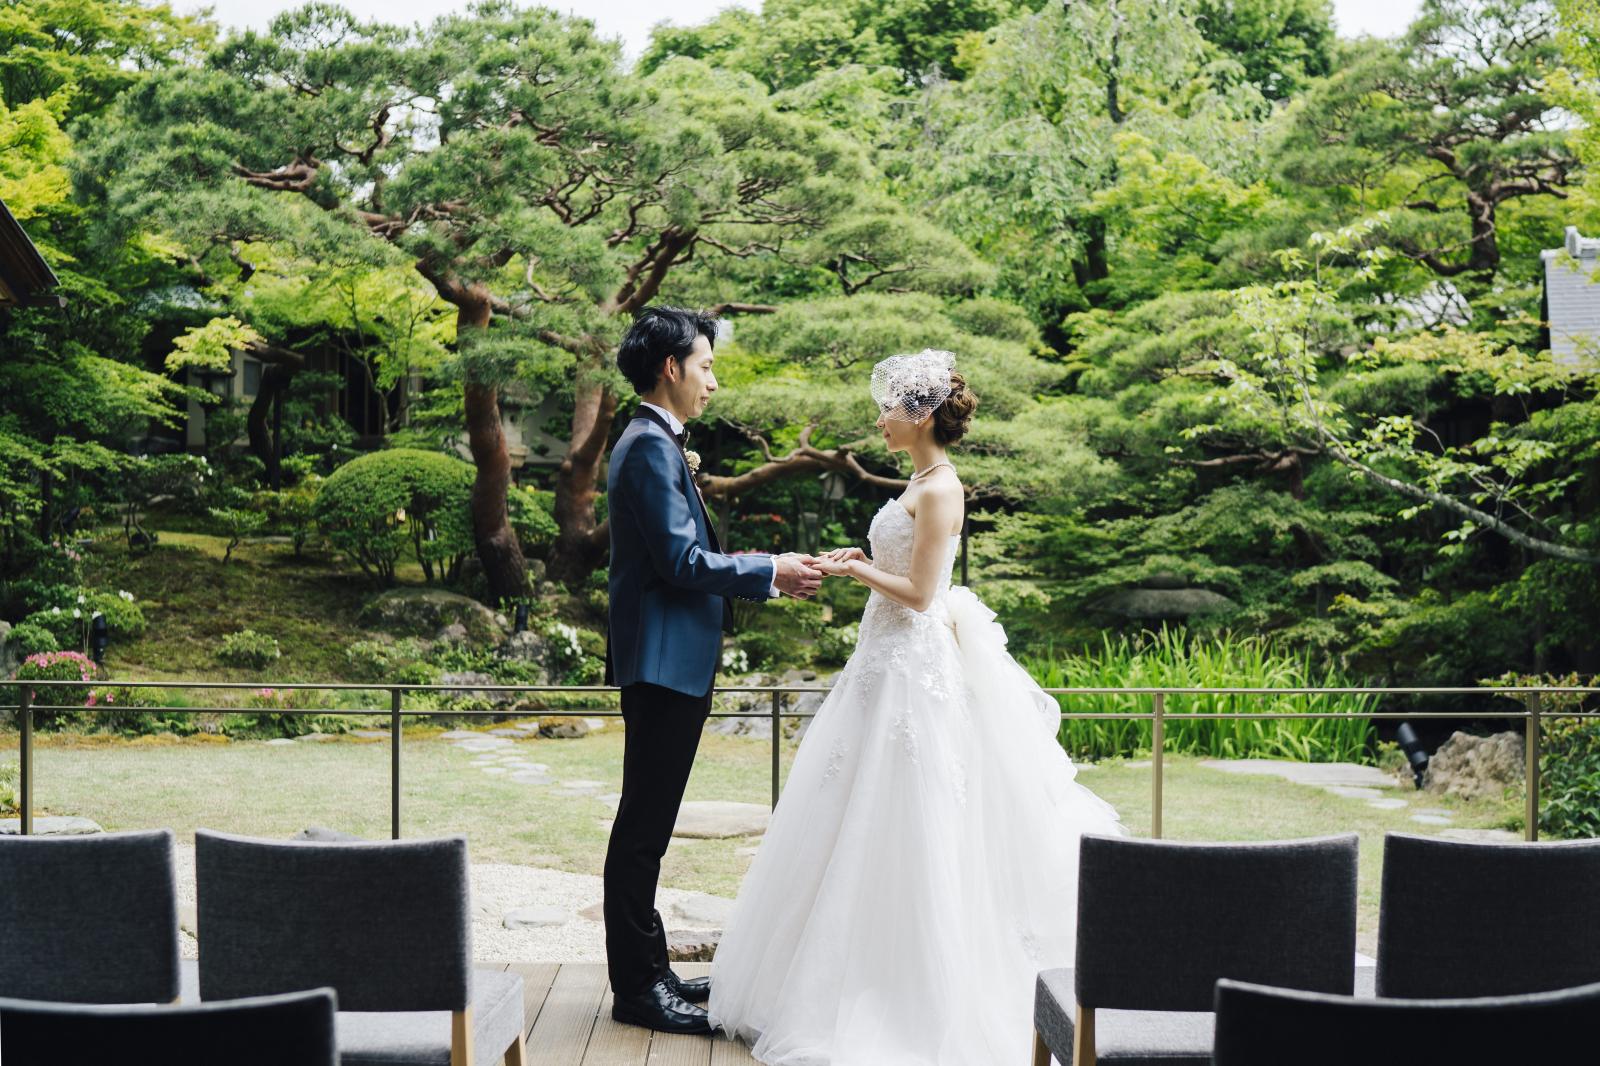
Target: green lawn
(255, 788)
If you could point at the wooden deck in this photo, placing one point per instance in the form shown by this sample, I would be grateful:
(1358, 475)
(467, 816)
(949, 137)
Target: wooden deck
(568, 1012)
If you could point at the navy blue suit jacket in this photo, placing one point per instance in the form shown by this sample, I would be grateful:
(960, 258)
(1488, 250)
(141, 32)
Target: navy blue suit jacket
(669, 578)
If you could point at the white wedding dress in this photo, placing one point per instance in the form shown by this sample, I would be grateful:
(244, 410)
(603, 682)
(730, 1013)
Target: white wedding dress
(921, 866)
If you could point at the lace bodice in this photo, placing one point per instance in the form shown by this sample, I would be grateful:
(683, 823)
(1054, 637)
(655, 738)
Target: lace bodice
(891, 536)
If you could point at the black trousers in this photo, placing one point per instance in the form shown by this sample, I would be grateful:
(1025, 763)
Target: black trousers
(658, 753)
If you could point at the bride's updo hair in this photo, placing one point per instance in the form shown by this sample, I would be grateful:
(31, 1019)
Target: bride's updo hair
(952, 417)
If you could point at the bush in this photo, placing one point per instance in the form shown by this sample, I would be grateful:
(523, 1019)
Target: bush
(128, 711)
(532, 517)
(1569, 757)
(836, 643)
(590, 670)
(10, 784)
(292, 511)
(68, 618)
(58, 666)
(373, 507)
(270, 721)
(32, 639)
(247, 648)
(380, 660)
(766, 650)
(237, 524)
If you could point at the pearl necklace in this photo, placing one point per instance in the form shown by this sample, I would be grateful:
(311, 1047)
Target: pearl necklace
(924, 473)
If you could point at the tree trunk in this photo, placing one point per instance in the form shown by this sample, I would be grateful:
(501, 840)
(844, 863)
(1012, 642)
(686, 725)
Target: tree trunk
(581, 542)
(263, 441)
(503, 564)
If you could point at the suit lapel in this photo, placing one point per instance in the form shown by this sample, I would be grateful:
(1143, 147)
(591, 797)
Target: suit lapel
(649, 415)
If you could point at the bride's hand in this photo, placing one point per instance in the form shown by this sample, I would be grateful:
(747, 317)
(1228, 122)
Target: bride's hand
(834, 567)
(844, 555)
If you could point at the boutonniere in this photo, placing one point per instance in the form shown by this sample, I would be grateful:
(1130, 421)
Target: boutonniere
(692, 457)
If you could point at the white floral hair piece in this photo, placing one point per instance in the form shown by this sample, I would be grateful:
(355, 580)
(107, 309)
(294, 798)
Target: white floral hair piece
(909, 388)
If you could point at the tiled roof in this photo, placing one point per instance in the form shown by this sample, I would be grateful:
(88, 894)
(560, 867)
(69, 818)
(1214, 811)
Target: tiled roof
(1572, 296)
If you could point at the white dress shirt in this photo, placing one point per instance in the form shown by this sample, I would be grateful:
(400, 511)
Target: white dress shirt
(677, 429)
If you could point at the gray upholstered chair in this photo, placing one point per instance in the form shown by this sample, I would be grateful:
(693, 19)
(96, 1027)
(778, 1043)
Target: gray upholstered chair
(1260, 1026)
(1160, 921)
(1471, 919)
(386, 924)
(89, 919)
(291, 1030)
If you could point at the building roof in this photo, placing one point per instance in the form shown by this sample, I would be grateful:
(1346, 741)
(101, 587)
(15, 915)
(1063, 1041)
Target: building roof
(25, 278)
(1572, 296)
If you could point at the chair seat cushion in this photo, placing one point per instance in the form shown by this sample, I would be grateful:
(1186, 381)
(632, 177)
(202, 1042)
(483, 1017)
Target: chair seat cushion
(1133, 1037)
(422, 1038)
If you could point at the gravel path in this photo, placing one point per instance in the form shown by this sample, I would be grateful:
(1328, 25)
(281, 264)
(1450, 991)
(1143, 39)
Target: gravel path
(496, 889)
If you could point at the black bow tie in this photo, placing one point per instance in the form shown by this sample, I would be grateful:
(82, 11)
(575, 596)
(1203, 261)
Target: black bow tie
(683, 438)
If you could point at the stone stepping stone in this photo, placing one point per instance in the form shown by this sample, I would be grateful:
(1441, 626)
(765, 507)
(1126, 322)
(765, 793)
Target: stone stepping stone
(372, 734)
(719, 819)
(316, 738)
(535, 918)
(594, 912)
(702, 909)
(611, 799)
(523, 764)
(494, 769)
(1137, 764)
(484, 744)
(585, 786)
(279, 742)
(1439, 812)
(1386, 804)
(460, 734)
(52, 825)
(1355, 792)
(1430, 819)
(1306, 773)
(596, 724)
(507, 732)
(1483, 836)
(531, 777)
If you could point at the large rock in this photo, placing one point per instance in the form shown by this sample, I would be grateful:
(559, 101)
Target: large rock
(466, 679)
(758, 706)
(424, 612)
(692, 945)
(1471, 766)
(719, 819)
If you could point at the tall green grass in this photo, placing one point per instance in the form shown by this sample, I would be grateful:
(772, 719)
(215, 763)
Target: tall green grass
(1170, 659)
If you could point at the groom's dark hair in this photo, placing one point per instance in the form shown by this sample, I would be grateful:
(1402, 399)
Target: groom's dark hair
(659, 334)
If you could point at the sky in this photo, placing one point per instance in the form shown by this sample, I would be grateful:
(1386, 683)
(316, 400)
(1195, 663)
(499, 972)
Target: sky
(631, 19)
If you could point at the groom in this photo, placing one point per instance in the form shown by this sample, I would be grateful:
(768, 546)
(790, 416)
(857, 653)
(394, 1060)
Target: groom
(670, 583)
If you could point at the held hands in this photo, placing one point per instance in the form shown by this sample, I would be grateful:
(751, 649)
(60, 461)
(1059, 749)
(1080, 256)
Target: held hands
(796, 575)
(835, 563)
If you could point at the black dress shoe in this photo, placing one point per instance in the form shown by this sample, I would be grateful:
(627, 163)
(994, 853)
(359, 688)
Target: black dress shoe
(662, 1009)
(694, 990)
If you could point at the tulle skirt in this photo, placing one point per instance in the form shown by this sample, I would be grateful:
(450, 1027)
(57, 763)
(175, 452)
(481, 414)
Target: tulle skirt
(921, 866)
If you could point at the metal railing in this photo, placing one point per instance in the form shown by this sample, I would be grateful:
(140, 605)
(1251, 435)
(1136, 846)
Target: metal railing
(1531, 715)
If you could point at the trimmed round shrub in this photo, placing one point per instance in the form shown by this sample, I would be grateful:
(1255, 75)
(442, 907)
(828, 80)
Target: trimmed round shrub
(836, 643)
(375, 506)
(250, 649)
(30, 639)
(58, 666)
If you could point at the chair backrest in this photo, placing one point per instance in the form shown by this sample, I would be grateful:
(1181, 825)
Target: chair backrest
(386, 924)
(1159, 921)
(1260, 1026)
(292, 1030)
(89, 919)
(1470, 919)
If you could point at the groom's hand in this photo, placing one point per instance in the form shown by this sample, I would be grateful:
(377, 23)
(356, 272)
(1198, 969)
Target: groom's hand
(794, 575)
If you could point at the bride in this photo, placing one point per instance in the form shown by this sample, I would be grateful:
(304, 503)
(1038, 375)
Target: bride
(921, 867)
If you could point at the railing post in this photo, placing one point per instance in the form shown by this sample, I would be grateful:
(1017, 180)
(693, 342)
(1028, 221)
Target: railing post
(1158, 742)
(777, 733)
(394, 763)
(25, 759)
(1530, 746)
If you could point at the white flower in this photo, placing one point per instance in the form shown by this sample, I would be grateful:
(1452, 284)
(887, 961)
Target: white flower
(97, 614)
(125, 594)
(77, 613)
(693, 459)
(55, 610)
(81, 598)
(400, 515)
(735, 660)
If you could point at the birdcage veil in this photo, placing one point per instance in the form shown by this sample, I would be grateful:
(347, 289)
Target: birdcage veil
(908, 388)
